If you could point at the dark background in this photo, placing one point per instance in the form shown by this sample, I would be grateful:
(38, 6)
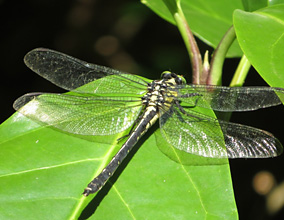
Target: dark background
(126, 35)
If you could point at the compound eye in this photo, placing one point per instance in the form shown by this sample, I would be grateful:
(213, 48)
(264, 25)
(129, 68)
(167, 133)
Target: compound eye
(178, 81)
(173, 75)
(166, 75)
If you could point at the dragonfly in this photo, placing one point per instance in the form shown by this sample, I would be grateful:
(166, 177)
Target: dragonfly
(105, 101)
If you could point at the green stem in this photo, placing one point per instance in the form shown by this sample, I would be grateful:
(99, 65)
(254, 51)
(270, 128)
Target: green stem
(238, 80)
(216, 65)
(241, 72)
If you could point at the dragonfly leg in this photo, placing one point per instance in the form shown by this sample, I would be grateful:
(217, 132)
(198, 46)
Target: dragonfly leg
(187, 96)
(124, 136)
(184, 112)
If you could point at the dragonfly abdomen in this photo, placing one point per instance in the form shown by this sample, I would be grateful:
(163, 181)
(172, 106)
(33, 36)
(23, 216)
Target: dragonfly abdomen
(149, 117)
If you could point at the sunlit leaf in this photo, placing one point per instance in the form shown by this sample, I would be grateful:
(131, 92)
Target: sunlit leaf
(260, 35)
(209, 20)
(43, 173)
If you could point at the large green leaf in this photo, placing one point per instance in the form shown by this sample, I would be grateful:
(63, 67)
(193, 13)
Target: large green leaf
(252, 5)
(260, 35)
(209, 20)
(44, 171)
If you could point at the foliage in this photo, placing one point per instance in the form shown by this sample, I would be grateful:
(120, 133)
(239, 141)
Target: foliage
(44, 171)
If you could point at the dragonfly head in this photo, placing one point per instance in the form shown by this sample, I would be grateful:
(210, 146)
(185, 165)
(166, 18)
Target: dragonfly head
(178, 79)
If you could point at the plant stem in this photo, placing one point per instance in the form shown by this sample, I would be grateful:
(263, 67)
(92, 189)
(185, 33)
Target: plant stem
(241, 72)
(216, 65)
(238, 80)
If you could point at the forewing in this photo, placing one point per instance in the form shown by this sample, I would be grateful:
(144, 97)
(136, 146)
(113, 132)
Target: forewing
(85, 115)
(200, 135)
(122, 84)
(65, 71)
(221, 98)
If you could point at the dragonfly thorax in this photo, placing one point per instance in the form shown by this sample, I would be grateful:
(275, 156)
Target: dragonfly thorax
(162, 92)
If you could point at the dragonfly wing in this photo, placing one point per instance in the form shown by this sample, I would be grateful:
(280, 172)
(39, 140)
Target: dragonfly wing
(85, 115)
(205, 136)
(127, 84)
(65, 71)
(221, 98)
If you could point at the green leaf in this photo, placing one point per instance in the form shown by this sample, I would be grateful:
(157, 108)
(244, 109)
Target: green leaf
(260, 35)
(252, 5)
(44, 172)
(208, 20)
(275, 2)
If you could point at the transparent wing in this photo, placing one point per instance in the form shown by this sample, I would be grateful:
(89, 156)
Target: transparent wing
(123, 84)
(201, 135)
(68, 72)
(221, 98)
(86, 115)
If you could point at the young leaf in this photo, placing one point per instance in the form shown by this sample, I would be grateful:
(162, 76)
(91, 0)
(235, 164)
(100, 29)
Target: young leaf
(260, 35)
